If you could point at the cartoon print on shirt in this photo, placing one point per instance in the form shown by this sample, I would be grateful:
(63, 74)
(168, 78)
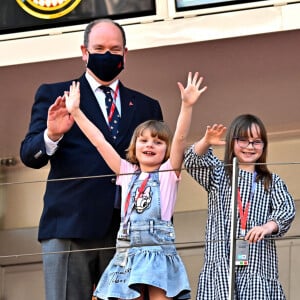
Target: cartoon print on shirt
(143, 201)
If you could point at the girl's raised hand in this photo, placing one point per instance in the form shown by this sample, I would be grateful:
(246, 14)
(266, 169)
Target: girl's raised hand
(73, 97)
(192, 91)
(213, 135)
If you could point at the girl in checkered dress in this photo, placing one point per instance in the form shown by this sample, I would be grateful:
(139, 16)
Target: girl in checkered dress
(262, 194)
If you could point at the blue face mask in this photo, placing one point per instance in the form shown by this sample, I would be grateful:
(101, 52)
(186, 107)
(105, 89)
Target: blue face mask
(105, 66)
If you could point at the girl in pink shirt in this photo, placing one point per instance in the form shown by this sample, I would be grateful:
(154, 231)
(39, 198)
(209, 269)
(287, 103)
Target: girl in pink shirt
(146, 260)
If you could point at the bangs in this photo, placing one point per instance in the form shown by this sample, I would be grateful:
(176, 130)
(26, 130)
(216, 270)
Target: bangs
(244, 129)
(157, 129)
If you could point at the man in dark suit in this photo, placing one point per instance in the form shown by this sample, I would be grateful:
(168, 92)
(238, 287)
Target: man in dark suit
(80, 211)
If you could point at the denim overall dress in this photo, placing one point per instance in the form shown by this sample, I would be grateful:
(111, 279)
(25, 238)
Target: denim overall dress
(146, 253)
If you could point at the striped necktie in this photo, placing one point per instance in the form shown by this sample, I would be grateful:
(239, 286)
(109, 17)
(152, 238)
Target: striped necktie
(112, 111)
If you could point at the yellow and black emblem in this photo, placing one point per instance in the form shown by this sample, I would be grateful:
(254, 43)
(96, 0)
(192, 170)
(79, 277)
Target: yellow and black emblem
(48, 9)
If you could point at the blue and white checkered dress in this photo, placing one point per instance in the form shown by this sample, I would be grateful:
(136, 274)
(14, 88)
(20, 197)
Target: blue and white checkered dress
(258, 280)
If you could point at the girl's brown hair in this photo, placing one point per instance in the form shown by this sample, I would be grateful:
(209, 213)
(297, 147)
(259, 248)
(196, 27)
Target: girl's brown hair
(158, 129)
(241, 127)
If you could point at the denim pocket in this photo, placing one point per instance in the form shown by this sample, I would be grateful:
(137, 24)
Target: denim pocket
(164, 234)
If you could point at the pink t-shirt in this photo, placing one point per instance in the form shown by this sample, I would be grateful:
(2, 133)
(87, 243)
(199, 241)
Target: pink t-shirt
(168, 185)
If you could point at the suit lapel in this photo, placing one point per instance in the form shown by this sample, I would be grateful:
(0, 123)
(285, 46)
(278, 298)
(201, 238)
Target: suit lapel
(128, 109)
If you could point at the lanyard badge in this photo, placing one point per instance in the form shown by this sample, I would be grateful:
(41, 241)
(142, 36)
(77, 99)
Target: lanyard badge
(242, 253)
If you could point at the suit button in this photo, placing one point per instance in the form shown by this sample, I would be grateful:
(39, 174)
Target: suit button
(113, 180)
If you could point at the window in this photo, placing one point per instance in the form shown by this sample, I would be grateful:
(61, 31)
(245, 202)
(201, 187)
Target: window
(27, 15)
(182, 5)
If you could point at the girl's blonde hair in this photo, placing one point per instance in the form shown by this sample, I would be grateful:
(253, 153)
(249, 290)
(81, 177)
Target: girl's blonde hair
(158, 129)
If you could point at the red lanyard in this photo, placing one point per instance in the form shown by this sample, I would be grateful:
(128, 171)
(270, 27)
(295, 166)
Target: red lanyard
(140, 190)
(113, 105)
(244, 212)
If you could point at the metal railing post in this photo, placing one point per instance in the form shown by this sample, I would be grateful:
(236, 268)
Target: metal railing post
(235, 174)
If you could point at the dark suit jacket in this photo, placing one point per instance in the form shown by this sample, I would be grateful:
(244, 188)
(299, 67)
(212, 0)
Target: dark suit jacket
(80, 208)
